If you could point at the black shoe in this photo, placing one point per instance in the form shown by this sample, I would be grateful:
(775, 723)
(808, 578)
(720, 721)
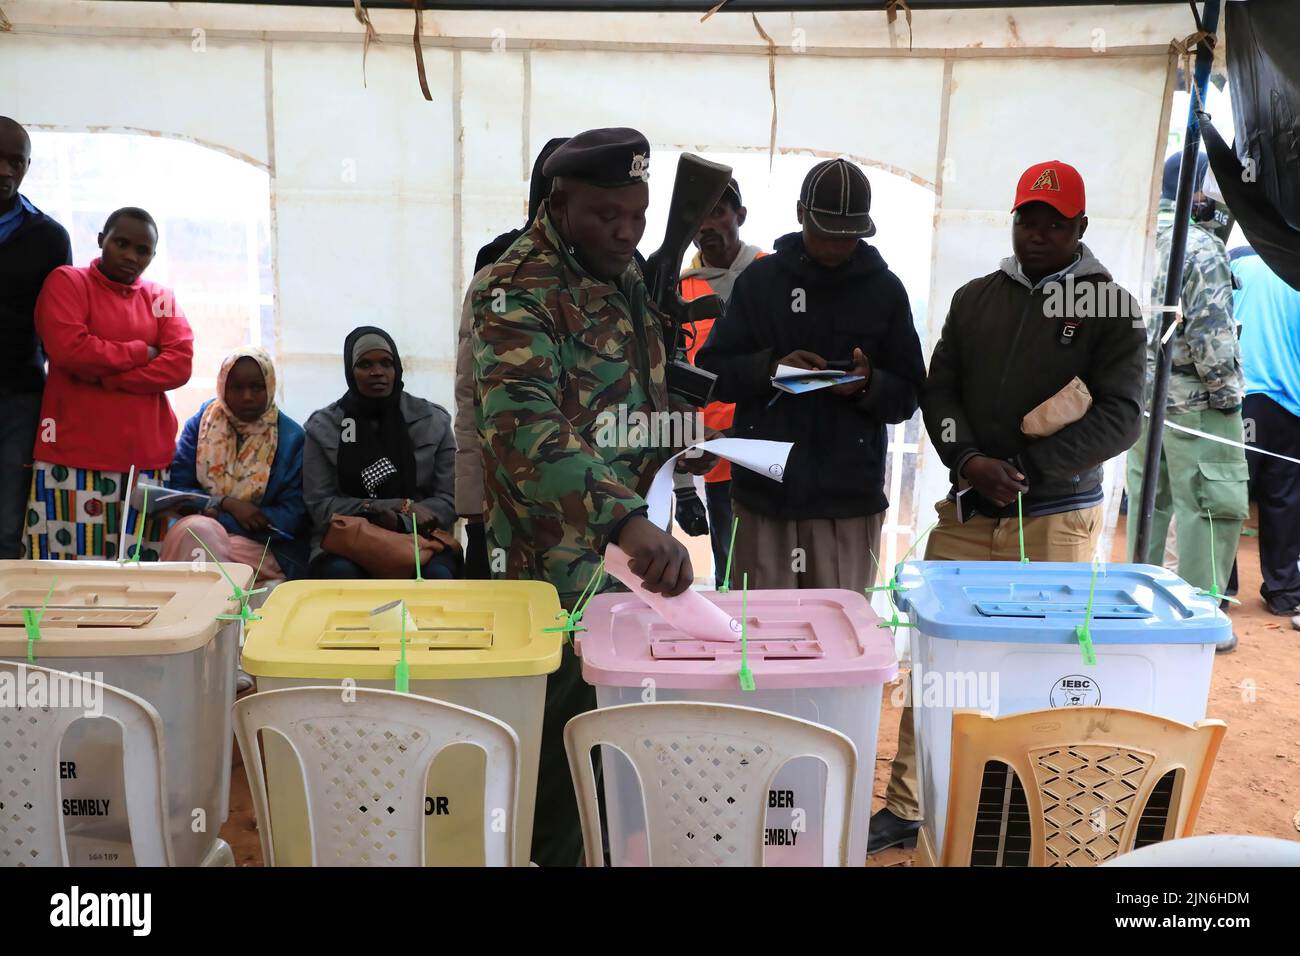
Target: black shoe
(887, 829)
(1224, 647)
(1282, 611)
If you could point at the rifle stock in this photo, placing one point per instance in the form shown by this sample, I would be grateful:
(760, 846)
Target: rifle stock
(698, 187)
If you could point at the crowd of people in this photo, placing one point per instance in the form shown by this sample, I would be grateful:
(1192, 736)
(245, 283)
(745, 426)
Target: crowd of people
(81, 440)
(1036, 380)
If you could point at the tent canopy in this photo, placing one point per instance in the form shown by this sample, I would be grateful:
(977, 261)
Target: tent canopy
(961, 104)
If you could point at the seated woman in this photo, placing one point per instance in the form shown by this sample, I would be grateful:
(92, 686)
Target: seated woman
(246, 456)
(117, 344)
(379, 452)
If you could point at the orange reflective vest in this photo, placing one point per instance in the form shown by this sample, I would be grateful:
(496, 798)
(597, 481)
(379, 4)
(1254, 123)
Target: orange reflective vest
(717, 415)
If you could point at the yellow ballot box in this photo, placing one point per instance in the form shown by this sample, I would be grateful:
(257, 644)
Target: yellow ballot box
(479, 644)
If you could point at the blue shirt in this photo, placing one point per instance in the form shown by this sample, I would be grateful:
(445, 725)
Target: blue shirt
(1269, 312)
(11, 220)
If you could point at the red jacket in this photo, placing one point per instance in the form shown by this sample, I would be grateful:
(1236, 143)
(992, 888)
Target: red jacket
(105, 404)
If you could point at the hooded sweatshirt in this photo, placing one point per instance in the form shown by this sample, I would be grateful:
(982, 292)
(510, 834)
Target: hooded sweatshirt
(722, 280)
(788, 301)
(1005, 349)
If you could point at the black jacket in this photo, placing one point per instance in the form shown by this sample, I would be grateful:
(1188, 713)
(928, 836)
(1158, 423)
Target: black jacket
(837, 466)
(38, 247)
(1001, 354)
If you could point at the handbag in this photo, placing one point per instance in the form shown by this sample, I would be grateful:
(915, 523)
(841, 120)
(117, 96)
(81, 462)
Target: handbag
(383, 553)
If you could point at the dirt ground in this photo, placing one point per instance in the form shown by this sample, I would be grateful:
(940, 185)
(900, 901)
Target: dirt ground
(1255, 788)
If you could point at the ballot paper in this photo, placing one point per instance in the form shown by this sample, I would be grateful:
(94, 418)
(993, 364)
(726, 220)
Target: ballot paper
(161, 499)
(690, 612)
(797, 381)
(794, 371)
(765, 457)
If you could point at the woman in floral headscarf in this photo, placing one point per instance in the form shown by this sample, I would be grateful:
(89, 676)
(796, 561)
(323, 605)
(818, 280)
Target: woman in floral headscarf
(246, 456)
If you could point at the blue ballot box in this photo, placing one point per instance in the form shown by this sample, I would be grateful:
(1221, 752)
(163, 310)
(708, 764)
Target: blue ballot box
(1001, 637)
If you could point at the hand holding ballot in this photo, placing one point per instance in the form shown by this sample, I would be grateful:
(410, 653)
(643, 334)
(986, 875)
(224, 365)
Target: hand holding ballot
(656, 557)
(697, 461)
(802, 371)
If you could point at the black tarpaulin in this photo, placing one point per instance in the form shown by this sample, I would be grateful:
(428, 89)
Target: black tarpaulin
(1259, 174)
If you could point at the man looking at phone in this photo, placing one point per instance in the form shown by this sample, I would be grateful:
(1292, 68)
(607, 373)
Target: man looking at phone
(823, 298)
(1035, 383)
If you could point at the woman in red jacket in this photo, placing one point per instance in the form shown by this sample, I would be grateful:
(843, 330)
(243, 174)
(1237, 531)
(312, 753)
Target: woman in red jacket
(116, 346)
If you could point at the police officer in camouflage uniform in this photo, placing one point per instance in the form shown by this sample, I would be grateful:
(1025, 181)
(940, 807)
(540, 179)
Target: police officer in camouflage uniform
(1200, 479)
(563, 331)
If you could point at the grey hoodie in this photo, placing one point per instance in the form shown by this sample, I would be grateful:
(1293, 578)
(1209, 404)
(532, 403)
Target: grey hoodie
(722, 279)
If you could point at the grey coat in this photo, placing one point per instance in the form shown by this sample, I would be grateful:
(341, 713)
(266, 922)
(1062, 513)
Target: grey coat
(435, 454)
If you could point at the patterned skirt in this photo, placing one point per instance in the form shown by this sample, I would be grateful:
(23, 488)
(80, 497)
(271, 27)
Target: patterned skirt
(78, 513)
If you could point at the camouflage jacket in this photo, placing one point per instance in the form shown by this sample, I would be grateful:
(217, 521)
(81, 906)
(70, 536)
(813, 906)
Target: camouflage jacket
(1207, 357)
(553, 348)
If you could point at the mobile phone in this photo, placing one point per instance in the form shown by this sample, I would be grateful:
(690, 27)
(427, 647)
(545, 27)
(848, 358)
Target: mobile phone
(965, 505)
(841, 366)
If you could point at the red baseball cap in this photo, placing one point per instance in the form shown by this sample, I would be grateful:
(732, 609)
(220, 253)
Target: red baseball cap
(1056, 183)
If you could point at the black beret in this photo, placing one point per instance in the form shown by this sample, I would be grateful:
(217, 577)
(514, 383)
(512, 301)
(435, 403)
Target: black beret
(610, 157)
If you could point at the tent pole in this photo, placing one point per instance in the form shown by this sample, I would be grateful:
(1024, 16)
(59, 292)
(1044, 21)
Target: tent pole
(1174, 285)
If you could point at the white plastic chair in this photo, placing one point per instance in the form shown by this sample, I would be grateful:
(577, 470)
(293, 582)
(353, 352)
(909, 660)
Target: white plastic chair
(365, 762)
(728, 755)
(31, 823)
(1221, 849)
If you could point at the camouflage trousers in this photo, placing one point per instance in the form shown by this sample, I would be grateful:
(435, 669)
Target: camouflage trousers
(1202, 483)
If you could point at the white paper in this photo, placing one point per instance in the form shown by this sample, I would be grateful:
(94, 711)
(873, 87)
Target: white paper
(791, 371)
(765, 457)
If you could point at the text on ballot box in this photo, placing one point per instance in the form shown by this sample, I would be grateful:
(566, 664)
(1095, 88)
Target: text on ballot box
(480, 644)
(817, 654)
(153, 630)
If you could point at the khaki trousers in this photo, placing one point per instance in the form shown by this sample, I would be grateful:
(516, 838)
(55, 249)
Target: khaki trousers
(786, 554)
(1068, 536)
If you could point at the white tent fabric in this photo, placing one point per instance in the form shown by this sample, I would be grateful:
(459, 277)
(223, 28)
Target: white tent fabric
(381, 199)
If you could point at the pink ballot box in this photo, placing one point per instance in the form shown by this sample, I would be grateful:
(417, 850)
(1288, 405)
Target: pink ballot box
(817, 654)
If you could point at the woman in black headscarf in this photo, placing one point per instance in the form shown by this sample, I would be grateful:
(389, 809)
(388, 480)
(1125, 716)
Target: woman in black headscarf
(381, 453)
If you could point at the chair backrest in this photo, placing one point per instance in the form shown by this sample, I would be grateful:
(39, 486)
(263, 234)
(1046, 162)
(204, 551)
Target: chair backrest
(364, 756)
(704, 771)
(1221, 849)
(1084, 776)
(31, 823)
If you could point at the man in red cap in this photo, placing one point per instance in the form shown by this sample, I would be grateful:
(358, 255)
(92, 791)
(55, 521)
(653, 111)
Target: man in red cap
(1035, 383)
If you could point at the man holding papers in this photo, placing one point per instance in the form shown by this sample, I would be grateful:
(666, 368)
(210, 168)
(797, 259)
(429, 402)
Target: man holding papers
(824, 300)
